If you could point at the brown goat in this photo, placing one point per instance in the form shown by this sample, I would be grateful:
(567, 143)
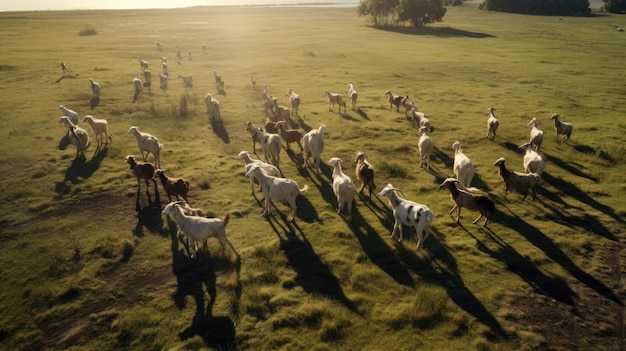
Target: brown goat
(365, 173)
(145, 171)
(396, 100)
(173, 186)
(289, 135)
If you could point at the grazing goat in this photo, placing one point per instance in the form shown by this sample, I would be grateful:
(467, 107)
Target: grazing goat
(95, 88)
(198, 229)
(266, 167)
(148, 144)
(173, 186)
(99, 126)
(163, 81)
(492, 124)
(289, 135)
(335, 99)
(426, 147)
(407, 212)
(536, 134)
(396, 100)
(343, 187)
(473, 202)
(187, 80)
(562, 128)
(77, 136)
(137, 84)
(72, 115)
(145, 171)
(271, 145)
(313, 145)
(278, 189)
(533, 162)
(520, 182)
(365, 172)
(294, 101)
(212, 107)
(463, 167)
(352, 96)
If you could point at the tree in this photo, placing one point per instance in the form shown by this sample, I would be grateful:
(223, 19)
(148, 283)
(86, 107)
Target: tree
(539, 7)
(615, 6)
(421, 12)
(379, 11)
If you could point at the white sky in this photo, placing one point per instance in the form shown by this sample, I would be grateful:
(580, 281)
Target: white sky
(44, 5)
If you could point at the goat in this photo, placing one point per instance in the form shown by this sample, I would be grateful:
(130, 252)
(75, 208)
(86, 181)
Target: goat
(335, 99)
(365, 172)
(165, 70)
(99, 126)
(294, 101)
(77, 136)
(147, 77)
(145, 171)
(95, 88)
(520, 182)
(271, 126)
(410, 213)
(268, 104)
(266, 167)
(313, 145)
(143, 65)
(536, 134)
(163, 81)
(473, 202)
(271, 145)
(148, 144)
(343, 187)
(418, 119)
(396, 100)
(426, 147)
(492, 124)
(562, 128)
(279, 189)
(200, 228)
(289, 135)
(282, 113)
(187, 80)
(137, 84)
(72, 115)
(173, 186)
(212, 107)
(352, 96)
(463, 167)
(533, 162)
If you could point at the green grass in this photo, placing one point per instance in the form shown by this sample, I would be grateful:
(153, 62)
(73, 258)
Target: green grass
(82, 272)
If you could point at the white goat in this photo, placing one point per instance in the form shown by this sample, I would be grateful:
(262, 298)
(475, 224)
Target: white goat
(163, 81)
(95, 88)
(277, 189)
(73, 115)
(426, 147)
(463, 167)
(365, 172)
(343, 187)
(143, 65)
(406, 212)
(533, 162)
(187, 80)
(418, 119)
(294, 101)
(335, 99)
(536, 134)
(137, 84)
(198, 229)
(271, 145)
(99, 126)
(492, 124)
(212, 107)
(77, 136)
(148, 144)
(352, 95)
(313, 145)
(165, 70)
(520, 182)
(562, 128)
(266, 167)
(473, 202)
(282, 113)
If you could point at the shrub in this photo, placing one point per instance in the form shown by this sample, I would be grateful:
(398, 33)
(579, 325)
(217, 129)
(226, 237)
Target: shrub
(615, 6)
(87, 31)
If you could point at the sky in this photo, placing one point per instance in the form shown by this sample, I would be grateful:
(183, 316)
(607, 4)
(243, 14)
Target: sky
(45, 5)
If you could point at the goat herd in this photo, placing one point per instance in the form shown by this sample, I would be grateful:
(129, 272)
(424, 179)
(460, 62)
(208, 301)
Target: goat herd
(276, 187)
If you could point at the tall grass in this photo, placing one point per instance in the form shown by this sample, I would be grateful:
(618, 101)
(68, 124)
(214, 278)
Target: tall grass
(83, 271)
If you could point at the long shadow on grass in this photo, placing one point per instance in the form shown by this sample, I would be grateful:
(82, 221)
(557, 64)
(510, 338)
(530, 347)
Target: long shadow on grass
(570, 167)
(443, 32)
(193, 276)
(78, 171)
(445, 274)
(554, 252)
(313, 275)
(217, 125)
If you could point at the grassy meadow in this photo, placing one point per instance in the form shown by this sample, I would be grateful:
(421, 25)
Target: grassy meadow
(82, 271)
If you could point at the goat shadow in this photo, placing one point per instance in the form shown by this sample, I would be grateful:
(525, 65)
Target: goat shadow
(312, 274)
(152, 221)
(361, 113)
(444, 32)
(78, 171)
(217, 125)
(193, 277)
